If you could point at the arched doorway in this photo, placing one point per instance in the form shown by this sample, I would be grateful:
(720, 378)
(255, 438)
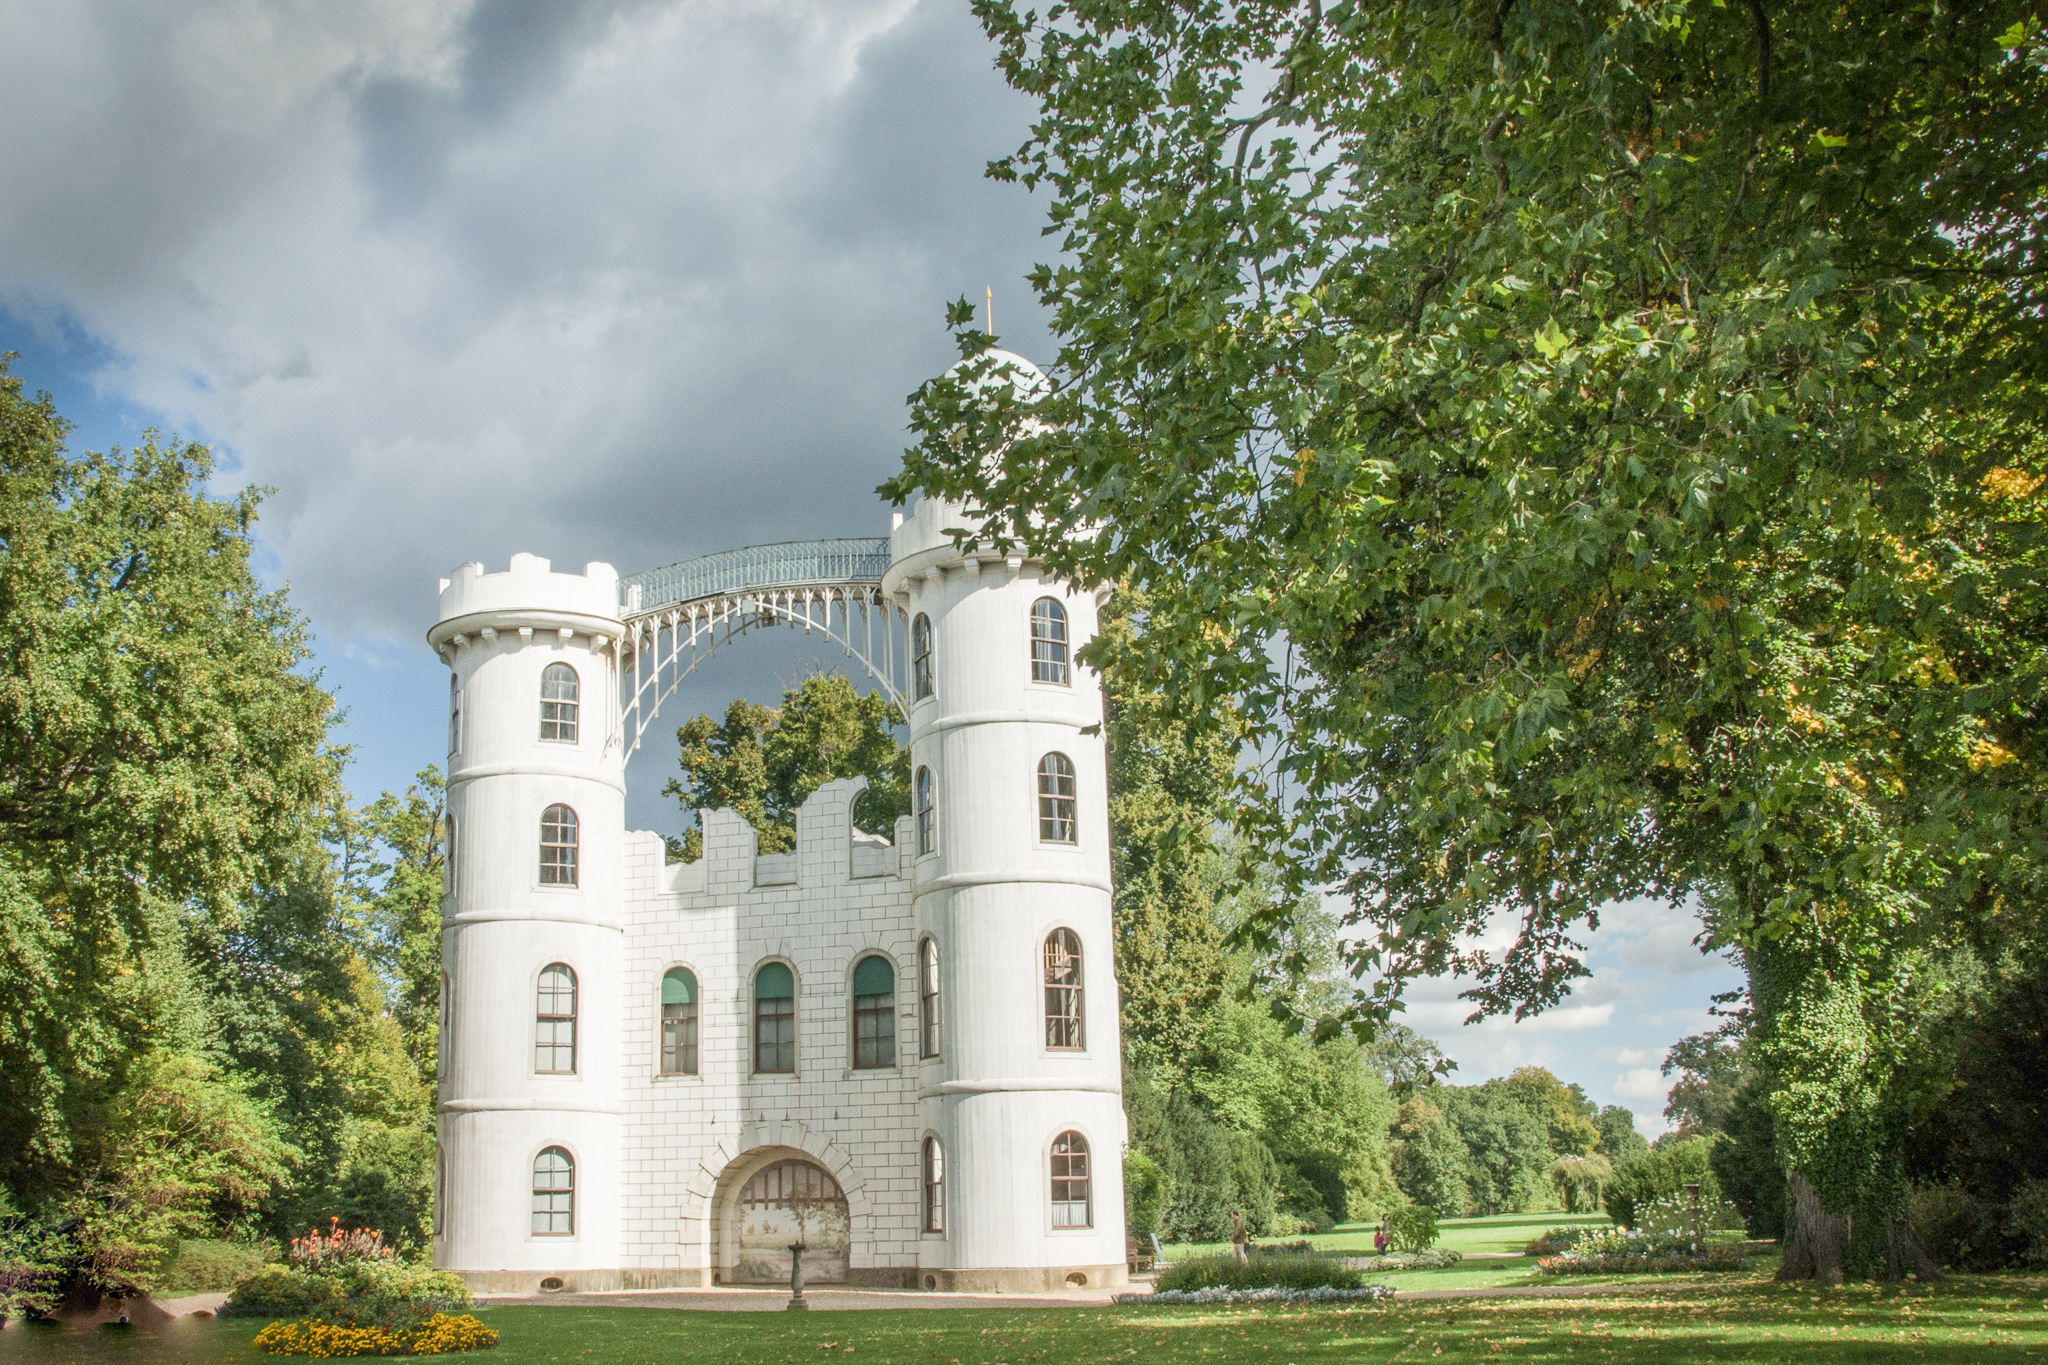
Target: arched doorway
(783, 1202)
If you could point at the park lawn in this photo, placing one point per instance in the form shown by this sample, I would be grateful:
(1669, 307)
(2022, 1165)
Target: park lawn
(1966, 1319)
(1502, 1232)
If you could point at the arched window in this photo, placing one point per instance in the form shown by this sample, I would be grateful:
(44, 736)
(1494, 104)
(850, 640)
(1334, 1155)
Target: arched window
(448, 854)
(920, 657)
(678, 1022)
(1072, 1203)
(874, 1012)
(1056, 799)
(774, 1018)
(1063, 990)
(1048, 641)
(440, 1189)
(454, 713)
(558, 843)
(928, 998)
(554, 1022)
(934, 1186)
(447, 1018)
(554, 1193)
(927, 831)
(558, 704)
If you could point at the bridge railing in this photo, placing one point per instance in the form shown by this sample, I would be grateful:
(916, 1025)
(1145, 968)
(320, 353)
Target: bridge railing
(794, 563)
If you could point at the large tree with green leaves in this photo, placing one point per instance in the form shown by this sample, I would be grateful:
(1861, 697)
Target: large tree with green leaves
(1594, 450)
(161, 754)
(764, 761)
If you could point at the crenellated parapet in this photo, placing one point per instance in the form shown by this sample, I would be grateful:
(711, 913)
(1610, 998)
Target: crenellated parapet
(526, 597)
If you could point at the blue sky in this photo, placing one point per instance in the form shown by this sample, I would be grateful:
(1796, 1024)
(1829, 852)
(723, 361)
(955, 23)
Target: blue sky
(631, 281)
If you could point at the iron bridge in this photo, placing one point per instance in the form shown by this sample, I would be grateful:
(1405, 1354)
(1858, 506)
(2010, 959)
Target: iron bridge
(678, 616)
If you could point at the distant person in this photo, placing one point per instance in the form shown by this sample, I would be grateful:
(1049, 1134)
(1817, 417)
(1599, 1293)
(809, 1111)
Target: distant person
(1240, 1237)
(1379, 1236)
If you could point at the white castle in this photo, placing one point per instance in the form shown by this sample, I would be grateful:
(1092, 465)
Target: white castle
(902, 1055)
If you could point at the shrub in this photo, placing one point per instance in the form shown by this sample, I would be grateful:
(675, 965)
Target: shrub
(2028, 1217)
(1412, 1228)
(280, 1291)
(1667, 1170)
(1144, 1193)
(1621, 1251)
(438, 1334)
(1259, 1271)
(1955, 1228)
(201, 1266)
(1558, 1239)
(31, 1268)
(1436, 1258)
(1674, 1220)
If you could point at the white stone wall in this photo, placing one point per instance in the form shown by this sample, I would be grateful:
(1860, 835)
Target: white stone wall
(660, 1158)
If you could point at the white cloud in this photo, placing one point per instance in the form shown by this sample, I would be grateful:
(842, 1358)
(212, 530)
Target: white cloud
(1637, 1056)
(628, 281)
(1642, 1088)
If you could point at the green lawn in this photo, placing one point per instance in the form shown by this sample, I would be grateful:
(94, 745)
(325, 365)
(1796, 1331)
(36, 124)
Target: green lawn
(1503, 1232)
(1968, 1319)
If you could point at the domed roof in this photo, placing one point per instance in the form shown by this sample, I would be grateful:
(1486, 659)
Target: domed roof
(1025, 379)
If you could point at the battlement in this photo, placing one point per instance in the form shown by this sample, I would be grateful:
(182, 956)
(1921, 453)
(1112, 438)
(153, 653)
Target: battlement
(530, 584)
(829, 850)
(929, 526)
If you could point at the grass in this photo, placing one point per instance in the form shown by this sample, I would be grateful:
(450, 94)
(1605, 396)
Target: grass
(1970, 1319)
(1507, 1232)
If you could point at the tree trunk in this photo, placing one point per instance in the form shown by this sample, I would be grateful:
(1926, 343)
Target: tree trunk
(1903, 1254)
(1818, 1238)
(1814, 1249)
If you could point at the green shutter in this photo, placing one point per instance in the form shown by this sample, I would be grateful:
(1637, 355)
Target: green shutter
(874, 976)
(774, 982)
(678, 987)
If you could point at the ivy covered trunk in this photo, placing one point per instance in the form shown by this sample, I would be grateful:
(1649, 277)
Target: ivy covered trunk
(1838, 1112)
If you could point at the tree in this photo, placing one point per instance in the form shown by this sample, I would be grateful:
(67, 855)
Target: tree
(763, 761)
(1429, 1160)
(161, 753)
(1507, 1151)
(1620, 1143)
(1405, 1059)
(1169, 788)
(1563, 1110)
(1710, 1070)
(1596, 452)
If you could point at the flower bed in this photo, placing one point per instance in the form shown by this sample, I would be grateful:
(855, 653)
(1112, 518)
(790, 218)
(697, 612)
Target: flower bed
(1619, 1251)
(438, 1334)
(1269, 1294)
(1258, 1271)
(1435, 1258)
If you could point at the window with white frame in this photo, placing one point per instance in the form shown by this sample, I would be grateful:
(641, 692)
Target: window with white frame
(454, 713)
(934, 1186)
(874, 1012)
(1048, 641)
(679, 1022)
(1072, 1198)
(559, 704)
(554, 1193)
(920, 657)
(560, 837)
(1063, 1026)
(1056, 823)
(928, 998)
(927, 827)
(554, 1021)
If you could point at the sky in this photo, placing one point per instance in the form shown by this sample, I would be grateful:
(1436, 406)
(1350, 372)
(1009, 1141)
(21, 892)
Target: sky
(620, 281)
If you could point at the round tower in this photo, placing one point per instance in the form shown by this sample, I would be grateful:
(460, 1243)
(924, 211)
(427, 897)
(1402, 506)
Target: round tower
(530, 1113)
(1011, 885)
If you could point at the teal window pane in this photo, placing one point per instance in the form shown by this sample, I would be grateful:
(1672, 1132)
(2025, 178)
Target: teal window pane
(679, 987)
(774, 982)
(874, 976)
